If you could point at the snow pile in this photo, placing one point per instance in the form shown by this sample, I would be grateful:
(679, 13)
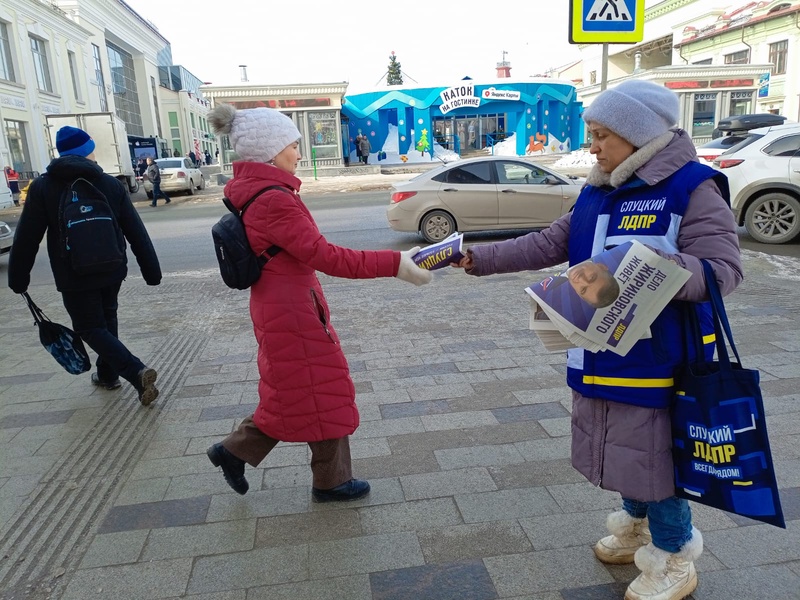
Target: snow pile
(577, 159)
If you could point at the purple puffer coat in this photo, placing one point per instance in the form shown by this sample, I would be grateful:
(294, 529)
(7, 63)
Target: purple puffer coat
(618, 446)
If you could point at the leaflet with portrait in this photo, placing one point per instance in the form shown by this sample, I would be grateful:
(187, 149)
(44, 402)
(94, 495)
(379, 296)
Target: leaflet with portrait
(607, 302)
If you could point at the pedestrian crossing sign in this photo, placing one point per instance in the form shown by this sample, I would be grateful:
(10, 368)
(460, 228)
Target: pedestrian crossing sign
(606, 21)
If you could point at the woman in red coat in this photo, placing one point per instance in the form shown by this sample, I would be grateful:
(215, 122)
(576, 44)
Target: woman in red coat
(305, 390)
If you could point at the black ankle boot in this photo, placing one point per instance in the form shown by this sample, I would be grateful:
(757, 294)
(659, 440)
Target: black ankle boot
(349, 490)
(232, 467)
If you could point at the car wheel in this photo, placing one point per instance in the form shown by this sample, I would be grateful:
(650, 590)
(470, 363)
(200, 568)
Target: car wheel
(149, 195)
(190, 191)
(202, 185)
(436, 226)
(773, 218)
(133, 187)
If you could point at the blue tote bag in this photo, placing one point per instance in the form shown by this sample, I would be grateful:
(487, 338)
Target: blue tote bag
(60, 341)
(720, 445)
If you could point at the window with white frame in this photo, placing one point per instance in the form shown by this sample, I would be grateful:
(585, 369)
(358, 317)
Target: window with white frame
(99, 79)
(41, 65)
(777, 56)
(323, 128)
(6, 65)
(73, 75)
(742, 57)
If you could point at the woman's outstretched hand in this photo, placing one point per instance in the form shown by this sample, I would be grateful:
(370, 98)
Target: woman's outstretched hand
(465, 263)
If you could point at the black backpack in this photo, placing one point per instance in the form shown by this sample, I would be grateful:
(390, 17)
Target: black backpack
(239, 266)
(92, 241)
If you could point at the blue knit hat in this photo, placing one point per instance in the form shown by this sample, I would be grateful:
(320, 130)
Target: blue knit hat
(638, 111)
(71, 140)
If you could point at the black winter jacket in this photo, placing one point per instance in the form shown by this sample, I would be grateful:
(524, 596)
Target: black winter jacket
(40, 215)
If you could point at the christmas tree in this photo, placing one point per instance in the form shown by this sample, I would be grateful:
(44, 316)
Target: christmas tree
(394, 76)
(422, 144)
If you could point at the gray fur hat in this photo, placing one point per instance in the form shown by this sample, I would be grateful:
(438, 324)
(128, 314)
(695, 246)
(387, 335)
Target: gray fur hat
(638, 111)
(256, 134)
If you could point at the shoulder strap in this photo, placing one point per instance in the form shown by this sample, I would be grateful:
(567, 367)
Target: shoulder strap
(258, 193)
(272, 250)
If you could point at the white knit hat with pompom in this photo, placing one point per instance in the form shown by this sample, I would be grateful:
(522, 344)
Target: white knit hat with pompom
(256, 134)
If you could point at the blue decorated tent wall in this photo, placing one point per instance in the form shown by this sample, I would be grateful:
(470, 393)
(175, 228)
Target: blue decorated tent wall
(543, 113)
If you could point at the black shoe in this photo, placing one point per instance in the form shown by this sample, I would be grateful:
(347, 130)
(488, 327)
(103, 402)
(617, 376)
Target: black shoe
(152, 204)
(108, 385)
(232, 467)
(349, 490)
(146, 380)
(167, 201)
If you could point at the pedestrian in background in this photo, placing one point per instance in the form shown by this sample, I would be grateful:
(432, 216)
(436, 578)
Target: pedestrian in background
(12, 177)
(90, 299)
(357, 143)
(153, 174)
(621, 435)
(365, 147)
(305, 390)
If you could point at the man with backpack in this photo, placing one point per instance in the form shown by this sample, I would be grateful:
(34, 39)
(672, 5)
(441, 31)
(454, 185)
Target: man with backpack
(87, 216)
(153, 175)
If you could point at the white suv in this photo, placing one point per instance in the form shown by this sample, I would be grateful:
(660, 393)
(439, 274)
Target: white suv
(764, 175)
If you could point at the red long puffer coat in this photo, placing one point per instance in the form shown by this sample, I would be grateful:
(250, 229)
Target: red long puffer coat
(305, 390)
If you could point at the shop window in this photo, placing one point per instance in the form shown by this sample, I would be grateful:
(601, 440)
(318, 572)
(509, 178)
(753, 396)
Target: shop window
(777, 56)
(6, 65)
(703, 116)
(740, 103)
(41, 64)
(738, 58)
(323, 128)
(592, 77)
(705, 61)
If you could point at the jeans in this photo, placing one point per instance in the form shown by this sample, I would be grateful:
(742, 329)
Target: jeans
(94, 319)
(670, 521)
(158, 192)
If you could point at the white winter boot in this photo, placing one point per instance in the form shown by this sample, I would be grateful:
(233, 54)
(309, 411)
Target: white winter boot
(666, 576)
(627, 536)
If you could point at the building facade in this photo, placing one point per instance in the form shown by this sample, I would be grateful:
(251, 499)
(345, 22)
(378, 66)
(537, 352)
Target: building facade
(543, 115)
(316, 110)
(91, 56)
(720, 61)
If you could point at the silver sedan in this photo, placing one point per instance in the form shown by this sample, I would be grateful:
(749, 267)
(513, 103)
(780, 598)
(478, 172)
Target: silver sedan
(480, 194)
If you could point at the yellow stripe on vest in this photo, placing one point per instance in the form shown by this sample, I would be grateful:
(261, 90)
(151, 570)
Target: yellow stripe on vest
(628, 382)
(710, 338)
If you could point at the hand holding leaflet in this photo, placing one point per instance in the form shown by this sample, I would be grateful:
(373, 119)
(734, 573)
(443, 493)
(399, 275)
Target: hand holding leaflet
(441, 254)
(409, 271)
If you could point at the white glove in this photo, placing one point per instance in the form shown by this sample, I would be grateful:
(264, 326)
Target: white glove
(410, 272)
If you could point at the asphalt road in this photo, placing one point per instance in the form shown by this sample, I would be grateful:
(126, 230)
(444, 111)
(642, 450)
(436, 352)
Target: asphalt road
(181, 231)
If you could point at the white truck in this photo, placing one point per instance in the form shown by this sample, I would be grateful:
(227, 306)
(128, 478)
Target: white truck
(110, 138)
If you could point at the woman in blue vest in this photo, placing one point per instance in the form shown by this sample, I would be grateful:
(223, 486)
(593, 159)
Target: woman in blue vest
(621, 436)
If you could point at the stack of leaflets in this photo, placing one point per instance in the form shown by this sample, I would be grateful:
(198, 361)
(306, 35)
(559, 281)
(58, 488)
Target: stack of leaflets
(607, 302)
(441, 254)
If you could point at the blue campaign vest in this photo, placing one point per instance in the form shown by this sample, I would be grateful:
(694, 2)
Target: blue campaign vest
(605, 217)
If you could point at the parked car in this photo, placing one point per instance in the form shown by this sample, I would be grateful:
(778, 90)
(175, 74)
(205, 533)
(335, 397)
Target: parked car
(733, 130)
(177, 175)
(764, 176)
(479, 194)
(6, 238)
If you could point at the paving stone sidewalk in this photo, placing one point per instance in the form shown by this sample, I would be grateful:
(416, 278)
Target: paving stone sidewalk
(464, 437)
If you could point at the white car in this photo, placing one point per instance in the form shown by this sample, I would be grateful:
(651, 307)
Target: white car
(177, 175)
(6, 238)
(764, 175)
